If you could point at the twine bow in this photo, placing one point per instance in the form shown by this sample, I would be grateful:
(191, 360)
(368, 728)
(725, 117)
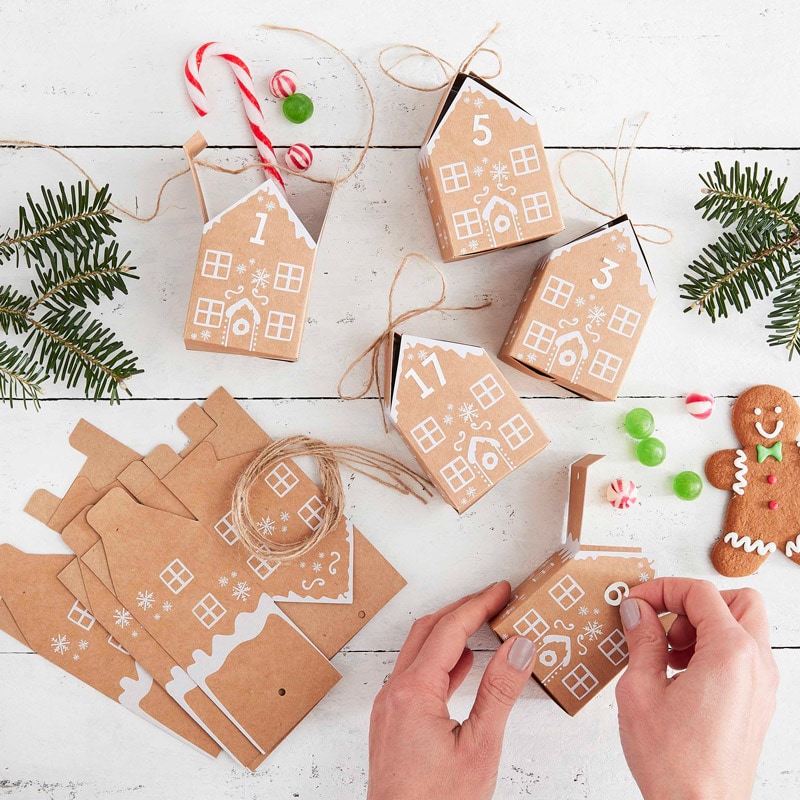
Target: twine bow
(619, 183)
(373, 351)
(412, 51)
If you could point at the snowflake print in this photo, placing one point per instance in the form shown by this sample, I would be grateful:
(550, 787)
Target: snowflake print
(447, 419)
(463, 501)
(260, 198)
(134, 634)
(205, 334)
(463, 251)
(644, 577)
(260, 278)
(499, 172)
(594, 630)
(60, 644)
(241, 591)
(222, 580)
(234, 574)
(166, 606)
(423, 354)
(75, 657)
(485, 160)
(477, 171)
(596, 612)
(410, 356)
(640, 565)
(531, 358)
(478, 102)
(466, 98)
(156, 617)
(580, 302)
(122, 617)
(302, 565)
(622, 247)
(193, 336)
(320, 555)
(83, 644)
(467, 412)
(145, 600)
(284, 516)
(270, 206)
(265, 527)
(241, 269)
(583, 611)
(591, 297)
(251, 262)
(284, 528)
(317, 567)
(471, 491)
(596, 315)
(473, 244)
(450, 406)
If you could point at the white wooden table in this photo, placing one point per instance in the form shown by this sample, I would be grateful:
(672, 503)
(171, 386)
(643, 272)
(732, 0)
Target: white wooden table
(103, 79)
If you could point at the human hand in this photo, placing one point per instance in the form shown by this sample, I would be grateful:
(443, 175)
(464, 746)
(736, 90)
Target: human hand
(700, 733)
(416, 751)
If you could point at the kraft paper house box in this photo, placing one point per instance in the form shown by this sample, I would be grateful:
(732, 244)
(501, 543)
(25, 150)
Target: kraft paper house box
(253, 275)
(458, 415)
(484, 172)
(583, 314)
(569, 606)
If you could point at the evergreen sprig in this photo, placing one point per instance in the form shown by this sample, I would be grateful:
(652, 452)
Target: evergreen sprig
(68, 240)
(758, 256)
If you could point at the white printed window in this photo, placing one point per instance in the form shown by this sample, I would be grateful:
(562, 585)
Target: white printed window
(454, 177)
(624, 321)
(524, 160)
(428, 434)
(536, 207)
(280, 326)
(467, 223)
(217, 265)
(516, 431)
(566, 592)
(263, 569)
(116, 645)
(176, 577)
(487, 391)
(80, 616)
(614, 647)
(580, 682)
(289, 277)
(539, 337)
(226, 530)
(209, 611)
(311, 512)
(557, 292)
(532, 623)
(209, 312)
(605, 366)
(458, 474)
(281, 480)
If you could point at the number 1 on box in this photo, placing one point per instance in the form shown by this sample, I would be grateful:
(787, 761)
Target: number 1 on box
(427, 391)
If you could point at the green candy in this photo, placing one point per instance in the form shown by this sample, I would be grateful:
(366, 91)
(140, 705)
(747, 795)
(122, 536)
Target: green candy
(639, 423)
(298, 108)
(651, 452)
(687, 485)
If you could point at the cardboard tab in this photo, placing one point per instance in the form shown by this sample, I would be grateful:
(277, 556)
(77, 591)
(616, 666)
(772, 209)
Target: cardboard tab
(577, 495)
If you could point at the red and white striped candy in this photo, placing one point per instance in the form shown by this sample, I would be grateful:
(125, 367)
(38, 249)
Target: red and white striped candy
(699, 405)
(299, 157)
(283, 83)
(621, 493)
(252, 107)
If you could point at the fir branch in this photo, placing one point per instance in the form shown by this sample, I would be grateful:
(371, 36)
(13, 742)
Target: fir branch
(785, 317)
(75, 347)
(20, 377)
(14, 310)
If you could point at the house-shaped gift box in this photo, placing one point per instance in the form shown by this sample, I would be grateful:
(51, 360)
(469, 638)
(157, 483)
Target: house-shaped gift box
(583, 314)
(253, 275)
(569, 606)
(484, 173)
(458, 415)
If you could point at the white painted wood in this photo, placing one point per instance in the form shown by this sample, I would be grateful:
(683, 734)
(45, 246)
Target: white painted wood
(100, 75)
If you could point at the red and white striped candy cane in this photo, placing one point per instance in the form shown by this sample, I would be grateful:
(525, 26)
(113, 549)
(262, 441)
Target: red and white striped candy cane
(251, 105)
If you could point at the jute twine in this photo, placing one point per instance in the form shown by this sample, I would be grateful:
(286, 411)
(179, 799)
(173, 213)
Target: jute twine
(19, 143)
(410, 52)
(619, 182)
(373, 350)
(330, 459)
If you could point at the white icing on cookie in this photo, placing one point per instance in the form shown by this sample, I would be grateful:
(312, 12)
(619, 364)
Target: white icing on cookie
(776, 430)
(762, 548)
(741, 465)
(793, 547)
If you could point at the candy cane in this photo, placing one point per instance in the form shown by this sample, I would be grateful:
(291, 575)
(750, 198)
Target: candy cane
(251, 105)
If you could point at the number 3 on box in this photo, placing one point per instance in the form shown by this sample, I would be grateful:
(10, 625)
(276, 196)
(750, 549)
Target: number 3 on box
(427, 391)
(606, 273)
(479, 127)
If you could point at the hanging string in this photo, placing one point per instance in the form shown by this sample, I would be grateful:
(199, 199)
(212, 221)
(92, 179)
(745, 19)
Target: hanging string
(409, 52)
(373, 351)
(619, 183)
(330, 459)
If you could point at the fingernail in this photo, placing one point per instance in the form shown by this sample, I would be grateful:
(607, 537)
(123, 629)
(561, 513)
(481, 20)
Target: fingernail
(630, 613)
(486, 589)
(521, 654)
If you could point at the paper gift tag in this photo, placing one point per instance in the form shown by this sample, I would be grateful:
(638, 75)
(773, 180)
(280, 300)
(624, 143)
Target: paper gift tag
(459, 416)
(60, 628)
(484, 171)
(584, 312)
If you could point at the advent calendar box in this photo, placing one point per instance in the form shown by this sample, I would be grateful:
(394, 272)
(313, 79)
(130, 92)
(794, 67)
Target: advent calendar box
(569, 606)
(583, 314)
(458, 415)
(484, 171)
(253, 276)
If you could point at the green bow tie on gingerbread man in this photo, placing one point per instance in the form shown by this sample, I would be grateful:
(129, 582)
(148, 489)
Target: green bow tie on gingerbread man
(763, 453)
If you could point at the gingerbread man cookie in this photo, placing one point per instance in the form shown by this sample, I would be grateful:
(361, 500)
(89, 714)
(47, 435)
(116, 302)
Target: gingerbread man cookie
(764, 475)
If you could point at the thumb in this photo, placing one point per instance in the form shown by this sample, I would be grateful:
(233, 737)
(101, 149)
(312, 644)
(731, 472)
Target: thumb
(647, 642)
(502, 683)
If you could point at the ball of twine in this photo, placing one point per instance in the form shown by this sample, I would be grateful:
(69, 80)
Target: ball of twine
(329, 459)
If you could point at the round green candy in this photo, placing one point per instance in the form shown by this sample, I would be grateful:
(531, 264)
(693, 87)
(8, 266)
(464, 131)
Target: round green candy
(651, 452)
(298, 107)
(687, 485)
(639, 423)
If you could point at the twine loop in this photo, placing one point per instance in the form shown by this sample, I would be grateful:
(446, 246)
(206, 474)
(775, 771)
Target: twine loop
(378, 466)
